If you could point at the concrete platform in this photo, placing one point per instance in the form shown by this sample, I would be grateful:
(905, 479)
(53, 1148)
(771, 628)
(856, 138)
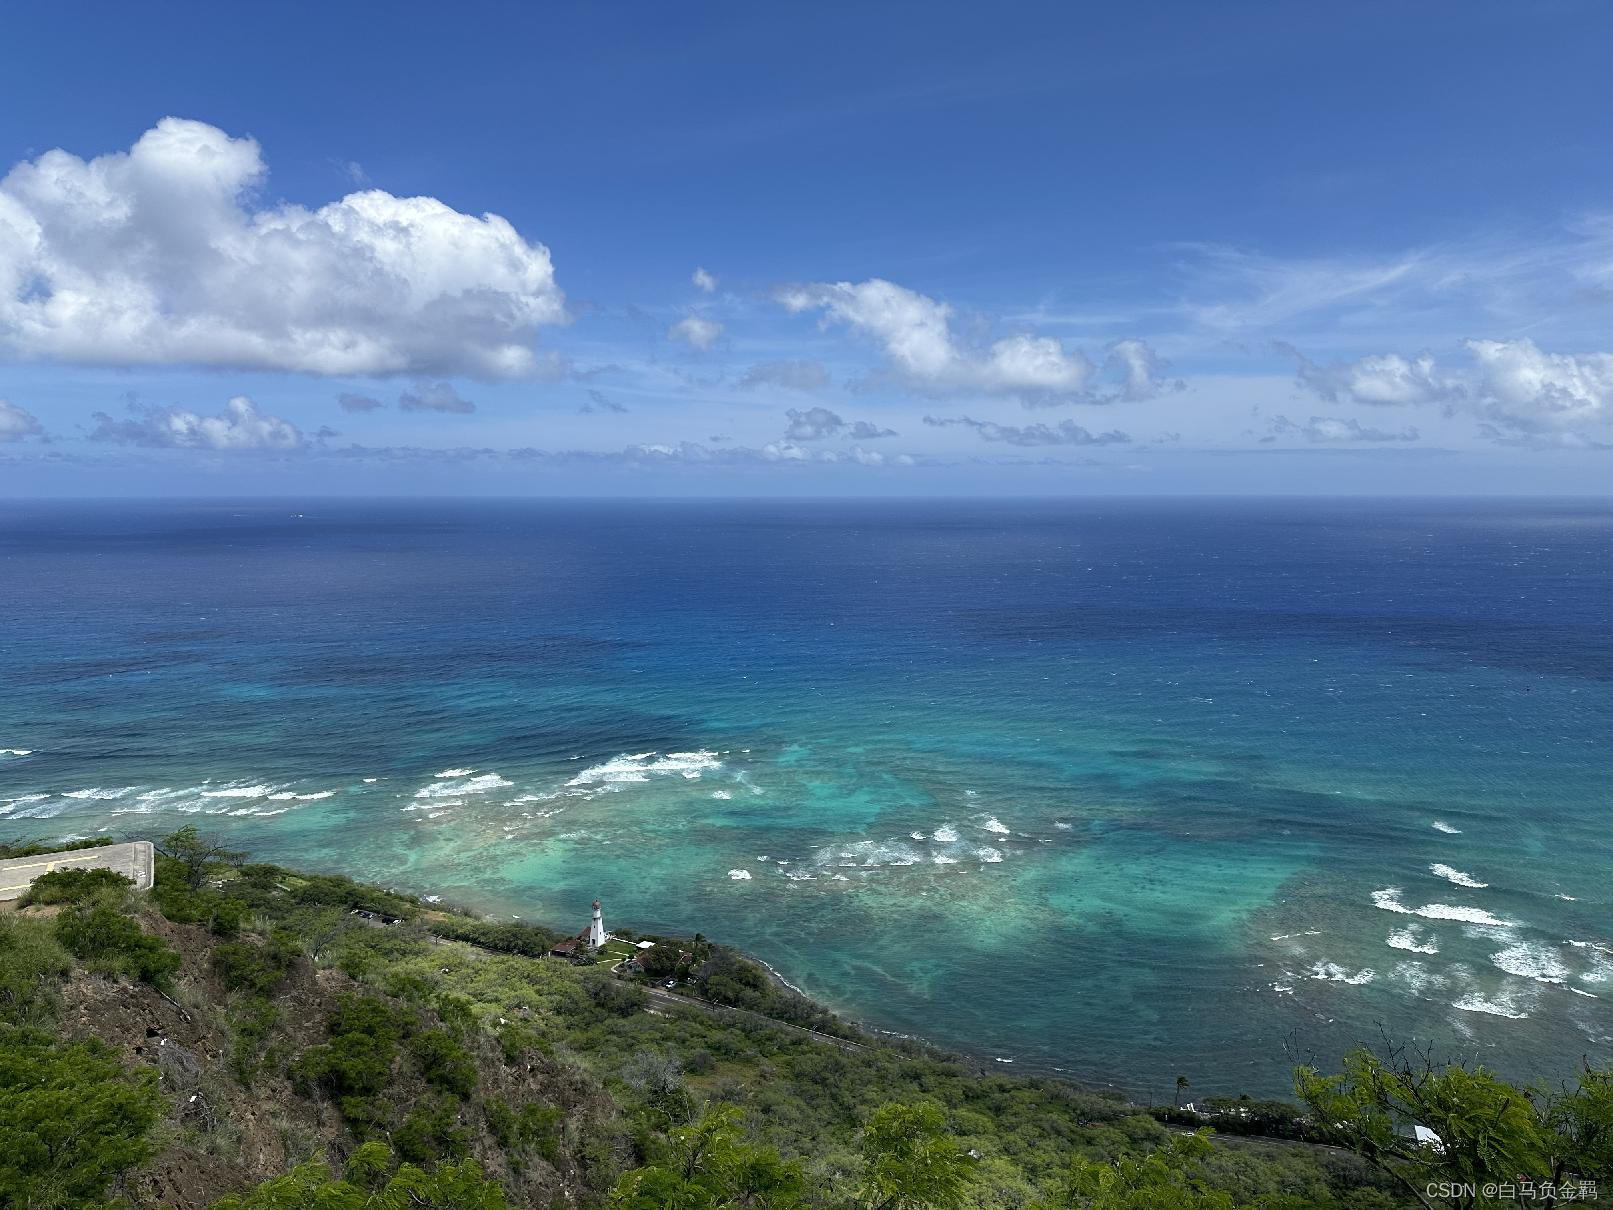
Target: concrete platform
(134, 860)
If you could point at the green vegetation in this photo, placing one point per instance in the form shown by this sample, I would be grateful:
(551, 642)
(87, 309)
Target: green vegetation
(276, 1039)
(73, 886)
(111, 943)
(1486, 1127)
(72, 1117)
(370, 1184)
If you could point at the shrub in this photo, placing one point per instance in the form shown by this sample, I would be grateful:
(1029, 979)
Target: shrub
(617, 998)
(73, 886)
(252, 1021)
(183, 904)
(355, 1066)
(430, 1132)
(444, 1062)
(112, 943)
(532, 1127)
(246, 966)
(32, 965)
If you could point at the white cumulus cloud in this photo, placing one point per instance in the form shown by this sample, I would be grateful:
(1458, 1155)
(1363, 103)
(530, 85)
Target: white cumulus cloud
(1514, 385)
(917, 336)
(240, 426)
(1382, 379)
(703, 281)
(1520, 385)
(159, 255)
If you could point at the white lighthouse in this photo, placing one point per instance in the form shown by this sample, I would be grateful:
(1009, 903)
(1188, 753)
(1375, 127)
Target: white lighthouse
(596, 930)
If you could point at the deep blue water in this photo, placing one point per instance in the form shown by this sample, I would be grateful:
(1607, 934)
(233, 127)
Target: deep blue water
(1128, 789)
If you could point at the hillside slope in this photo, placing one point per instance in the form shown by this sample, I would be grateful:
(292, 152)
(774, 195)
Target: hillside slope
(267, 1023)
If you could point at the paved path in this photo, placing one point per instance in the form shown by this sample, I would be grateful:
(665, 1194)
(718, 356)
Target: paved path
(134, 860)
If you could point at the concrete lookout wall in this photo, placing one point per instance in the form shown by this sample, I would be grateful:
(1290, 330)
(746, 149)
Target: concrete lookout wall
(135, 861)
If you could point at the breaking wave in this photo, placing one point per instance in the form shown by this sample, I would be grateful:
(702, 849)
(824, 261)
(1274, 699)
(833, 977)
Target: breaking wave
(1410, 939)
(1389, 900)
(1457, 876)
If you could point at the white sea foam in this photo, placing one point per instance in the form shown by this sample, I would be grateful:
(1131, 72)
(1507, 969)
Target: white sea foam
(993, 824)
(454, 773)
(371, 780)
(1441, 826)
(870, 853)
(943, 859)
(1417, 977)
(1389, 900)
(989, 855)
(1062, 826)
(621, 770)
(946, 834)
(239, 791)
(739, 875)
(1503, 1007)
(1457, 876)
(1291, 936)
(917, 835)
(1332, 972)
(1532, 960)
(292, 796)
(1410, 939)
(1566, 898)
(723, 795)
(101, 793)
(16, 751)
(470, 785)
(1601, 958)
(36, 806)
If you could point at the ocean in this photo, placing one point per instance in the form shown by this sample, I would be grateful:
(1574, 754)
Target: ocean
(1122, 789)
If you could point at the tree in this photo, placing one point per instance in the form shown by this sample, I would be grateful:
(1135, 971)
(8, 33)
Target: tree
(1181, 1087)
(659, 960)
(196, 854)
(1487, 1131)
(71, 1119)
(709, 1167)
(911, 1160)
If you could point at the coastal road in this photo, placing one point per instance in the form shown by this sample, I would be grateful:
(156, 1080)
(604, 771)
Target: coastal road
(135, 861)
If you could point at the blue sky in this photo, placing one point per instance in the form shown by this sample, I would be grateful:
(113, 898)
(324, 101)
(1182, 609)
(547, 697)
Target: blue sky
(881, 249)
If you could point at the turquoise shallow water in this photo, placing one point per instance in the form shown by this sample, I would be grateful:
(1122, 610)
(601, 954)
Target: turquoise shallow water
(1125, 789)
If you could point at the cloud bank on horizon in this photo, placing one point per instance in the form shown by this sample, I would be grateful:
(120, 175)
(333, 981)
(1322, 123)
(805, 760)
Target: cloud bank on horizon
(242, 326)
